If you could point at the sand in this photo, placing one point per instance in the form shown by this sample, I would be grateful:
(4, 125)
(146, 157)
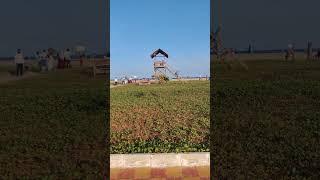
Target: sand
(7, 77)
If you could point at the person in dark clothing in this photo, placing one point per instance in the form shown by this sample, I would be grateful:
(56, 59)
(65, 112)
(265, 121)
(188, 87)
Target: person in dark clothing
(318, 54)
(19, 61)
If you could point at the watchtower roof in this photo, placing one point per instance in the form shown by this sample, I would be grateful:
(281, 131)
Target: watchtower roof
(159, 51)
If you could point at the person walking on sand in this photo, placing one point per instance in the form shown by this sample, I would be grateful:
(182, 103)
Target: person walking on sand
(19, 61)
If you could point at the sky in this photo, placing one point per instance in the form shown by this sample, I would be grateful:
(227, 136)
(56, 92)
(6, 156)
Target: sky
(180, 28)
(269, 24)
(39, 24)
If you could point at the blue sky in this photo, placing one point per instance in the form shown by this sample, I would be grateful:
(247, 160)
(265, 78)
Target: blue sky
(181, 28)
(270, 24)
(32, 25)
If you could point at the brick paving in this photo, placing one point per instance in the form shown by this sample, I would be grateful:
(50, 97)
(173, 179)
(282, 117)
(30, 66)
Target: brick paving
(196, 173)
(160, 166)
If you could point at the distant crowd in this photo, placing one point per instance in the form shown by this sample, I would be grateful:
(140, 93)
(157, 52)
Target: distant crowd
(47, 60)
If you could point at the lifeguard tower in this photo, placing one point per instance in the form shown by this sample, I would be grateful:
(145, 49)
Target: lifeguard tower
(160, 65)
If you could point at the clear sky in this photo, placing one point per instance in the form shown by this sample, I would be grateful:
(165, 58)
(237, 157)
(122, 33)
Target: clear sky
(38, 24)
(138, 27)
(271, 24)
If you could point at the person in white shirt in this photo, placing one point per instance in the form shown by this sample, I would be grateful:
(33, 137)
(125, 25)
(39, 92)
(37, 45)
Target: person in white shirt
(51, 61)
(44, 60)
(290, 52)
(67, 58)
(19, 61)
(37, 56)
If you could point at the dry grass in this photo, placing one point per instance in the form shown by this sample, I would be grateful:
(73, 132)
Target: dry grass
(172, 117)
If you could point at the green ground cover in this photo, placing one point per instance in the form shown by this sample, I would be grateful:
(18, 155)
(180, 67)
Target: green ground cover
(266, 120)
(172, 117)
(53, 125)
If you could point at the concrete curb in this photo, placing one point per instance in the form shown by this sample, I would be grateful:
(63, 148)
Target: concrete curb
(159, 160)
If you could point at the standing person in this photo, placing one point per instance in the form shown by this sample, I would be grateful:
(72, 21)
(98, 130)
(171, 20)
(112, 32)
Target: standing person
(309, 51)
(19, 61)
(56, 60)
(50, 61)
(38, 59)
(291, 52)
(46, 58)
(67, 57)
(43, 61)
(115, 81)
(286, 56)
(61, 60)
(318, 54)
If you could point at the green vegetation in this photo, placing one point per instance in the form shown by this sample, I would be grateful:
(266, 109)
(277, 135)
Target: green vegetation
(170, 117)
(53, 125)
(266, 120)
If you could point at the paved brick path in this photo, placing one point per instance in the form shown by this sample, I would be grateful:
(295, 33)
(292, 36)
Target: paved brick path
(160, 166)
(200, 173)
